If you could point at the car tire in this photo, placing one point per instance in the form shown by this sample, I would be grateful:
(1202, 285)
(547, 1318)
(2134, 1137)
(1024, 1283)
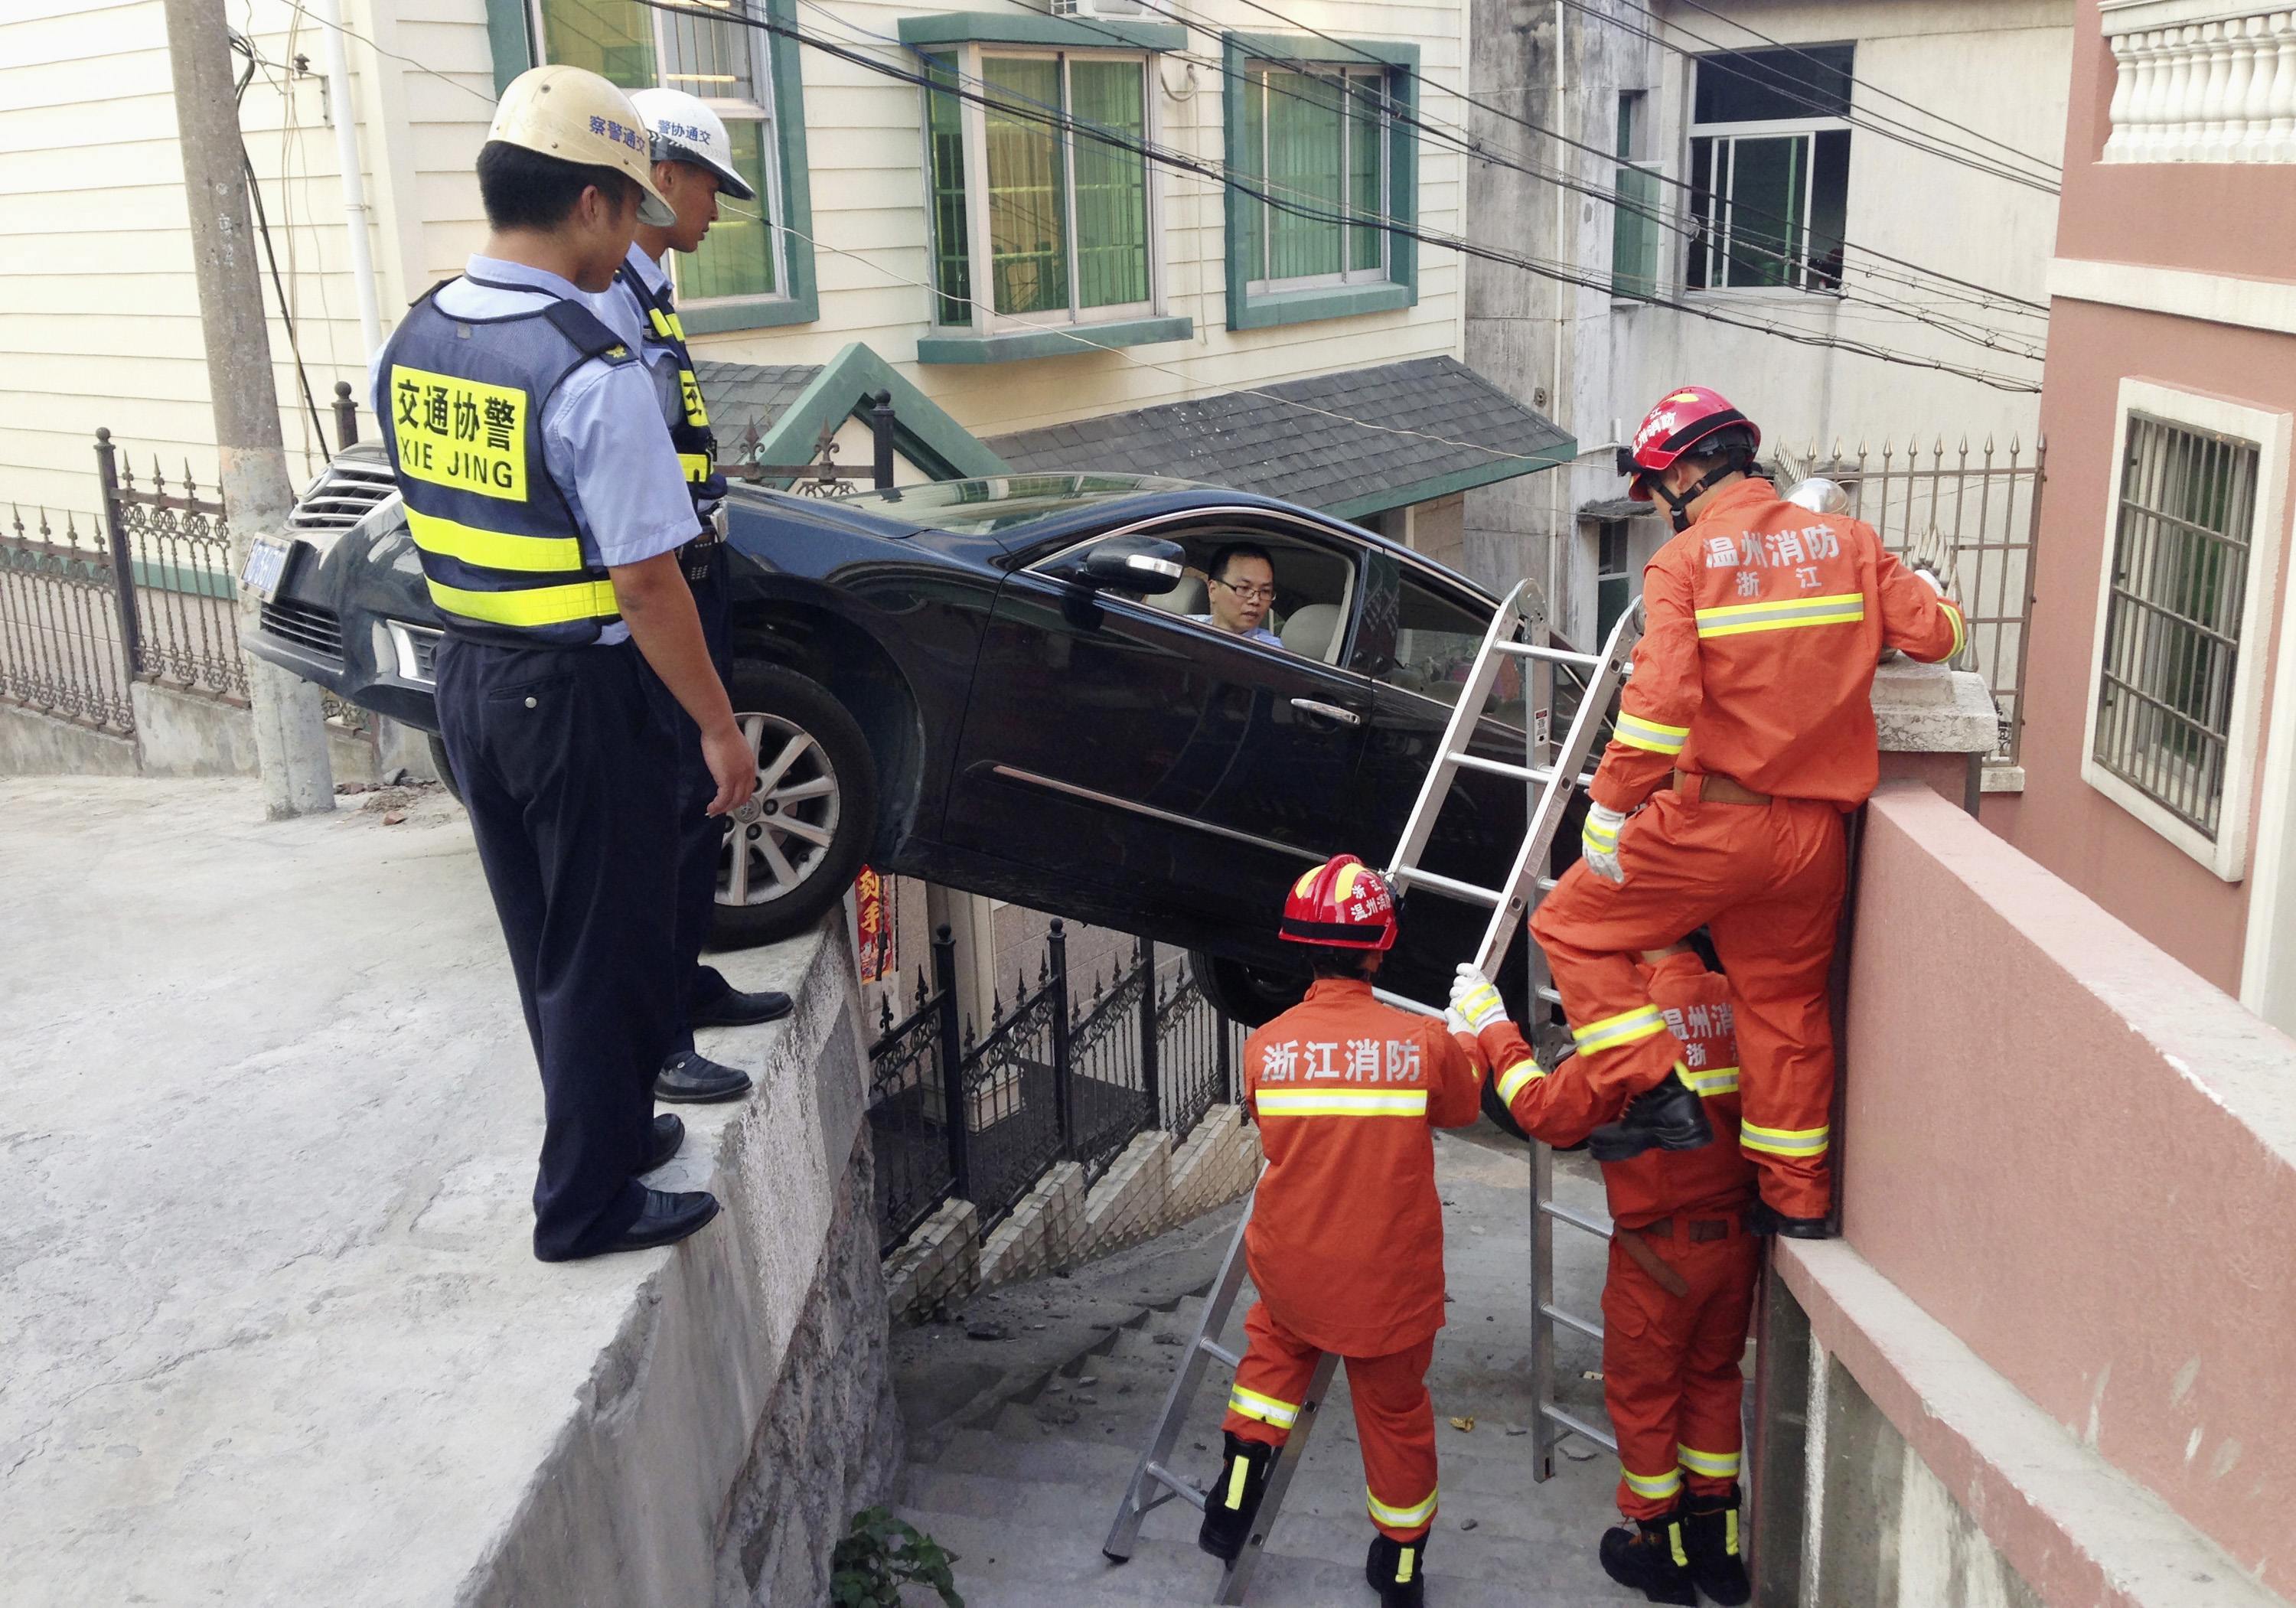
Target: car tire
(802, 841)
(444, 765)
(1250, 995)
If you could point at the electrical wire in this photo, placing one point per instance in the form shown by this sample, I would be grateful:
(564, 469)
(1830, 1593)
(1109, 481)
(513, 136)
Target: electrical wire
(245, 47)
(1183, 162)
(424, 68)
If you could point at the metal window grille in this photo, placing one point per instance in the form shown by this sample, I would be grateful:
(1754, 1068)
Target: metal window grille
(2171, 644)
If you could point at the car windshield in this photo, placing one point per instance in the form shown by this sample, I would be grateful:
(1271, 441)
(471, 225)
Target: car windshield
(997, 503)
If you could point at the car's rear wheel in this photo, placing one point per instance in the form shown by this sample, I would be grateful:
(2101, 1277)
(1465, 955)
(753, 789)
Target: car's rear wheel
(1250, 995)
(792, 850)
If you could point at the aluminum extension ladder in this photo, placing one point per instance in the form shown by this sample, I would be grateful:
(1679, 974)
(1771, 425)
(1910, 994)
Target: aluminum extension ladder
(1555, 775)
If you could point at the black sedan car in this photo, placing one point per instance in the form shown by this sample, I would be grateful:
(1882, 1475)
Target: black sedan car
(998, 686)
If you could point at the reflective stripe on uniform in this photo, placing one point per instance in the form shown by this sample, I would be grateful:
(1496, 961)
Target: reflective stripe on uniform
(697, 465)
(1627, 1027)
(1656, 1487)
(1635, 732)
(495, 549)
(1513, 1081)
(1402, 1518)
(1714, 1080)
(1251, 1404)
(1342, 1102)
(670, 326)
(1840, 608)
(1783, 1141)
(1714, 1465)
(536, 606)
(1481, 1000)
(1605, 838)
(1960, 627)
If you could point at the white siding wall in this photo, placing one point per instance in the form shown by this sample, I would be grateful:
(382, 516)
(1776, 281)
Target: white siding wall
(99, 307)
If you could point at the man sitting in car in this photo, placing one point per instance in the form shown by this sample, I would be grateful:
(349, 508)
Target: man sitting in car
(1242, 590)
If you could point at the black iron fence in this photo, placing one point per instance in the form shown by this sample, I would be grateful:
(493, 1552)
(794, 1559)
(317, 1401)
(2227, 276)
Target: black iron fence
(1058, 1076)
(171, 552)
(58, 622)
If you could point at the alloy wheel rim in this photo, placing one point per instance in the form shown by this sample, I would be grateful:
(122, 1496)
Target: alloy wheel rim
(777, 843)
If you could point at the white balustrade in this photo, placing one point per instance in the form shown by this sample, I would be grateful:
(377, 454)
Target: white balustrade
(2219, 88)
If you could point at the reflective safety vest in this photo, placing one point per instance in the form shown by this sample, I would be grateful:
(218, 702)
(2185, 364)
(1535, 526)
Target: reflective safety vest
(501, 550)
(689, 431)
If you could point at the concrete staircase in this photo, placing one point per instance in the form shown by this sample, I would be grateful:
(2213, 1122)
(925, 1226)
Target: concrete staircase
(1020, 1478)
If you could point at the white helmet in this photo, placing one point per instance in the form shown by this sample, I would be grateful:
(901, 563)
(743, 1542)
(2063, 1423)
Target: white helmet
(685, 130)
(1819, 496)
(575, 115)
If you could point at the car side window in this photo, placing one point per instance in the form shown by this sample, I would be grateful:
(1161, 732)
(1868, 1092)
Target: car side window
(1283, 592)
(1436, 639)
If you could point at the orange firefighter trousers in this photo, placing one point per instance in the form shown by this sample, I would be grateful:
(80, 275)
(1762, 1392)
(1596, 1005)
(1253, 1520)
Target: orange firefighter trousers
(1766, 881)
(1395, 1418)
(1670, 1362)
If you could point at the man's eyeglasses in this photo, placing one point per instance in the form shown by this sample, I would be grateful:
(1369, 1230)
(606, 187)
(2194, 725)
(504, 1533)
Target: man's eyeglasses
(1249, 593)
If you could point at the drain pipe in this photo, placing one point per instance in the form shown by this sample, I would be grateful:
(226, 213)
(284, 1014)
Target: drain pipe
(1558, 544)
(347, 156)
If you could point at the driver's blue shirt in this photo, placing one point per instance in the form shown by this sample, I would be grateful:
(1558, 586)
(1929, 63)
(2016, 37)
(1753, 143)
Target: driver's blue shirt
(1257, 633)
(620, 477)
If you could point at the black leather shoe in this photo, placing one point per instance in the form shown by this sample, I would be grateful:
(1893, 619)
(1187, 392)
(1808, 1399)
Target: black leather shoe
(691, 1078)
(668, 1134)
(1665, 1115)
(665, 1219)
(735, 1009)
(1648, 1555)
(1764, 1218)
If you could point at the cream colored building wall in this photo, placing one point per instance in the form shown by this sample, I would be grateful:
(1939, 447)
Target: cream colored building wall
(99, 304)
(99, 307)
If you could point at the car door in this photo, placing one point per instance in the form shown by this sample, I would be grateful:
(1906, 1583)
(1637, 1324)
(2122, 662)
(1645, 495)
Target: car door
(1418, 641)
(1114, 744)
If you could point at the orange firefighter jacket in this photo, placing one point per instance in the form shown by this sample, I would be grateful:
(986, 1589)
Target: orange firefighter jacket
(1562, 1107)
(1346, 1242)
(1765, 623)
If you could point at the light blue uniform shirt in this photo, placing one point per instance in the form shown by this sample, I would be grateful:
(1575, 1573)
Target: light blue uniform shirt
(1257, 633)
(621, 479)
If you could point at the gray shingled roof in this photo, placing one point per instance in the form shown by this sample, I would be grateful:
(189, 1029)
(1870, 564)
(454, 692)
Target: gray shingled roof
(1258, 442)
(740, 394)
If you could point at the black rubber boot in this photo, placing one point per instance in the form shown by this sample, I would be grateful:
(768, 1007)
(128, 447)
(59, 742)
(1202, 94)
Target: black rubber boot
(1234, 1500)
(1665, 1115)
(1764, 1218)
(1396, 1570)
(1710, 1535)
(1649, 1556)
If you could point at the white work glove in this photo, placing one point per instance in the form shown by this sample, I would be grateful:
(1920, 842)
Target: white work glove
(1600, 838)
(1475, 1003)
(1936, 582)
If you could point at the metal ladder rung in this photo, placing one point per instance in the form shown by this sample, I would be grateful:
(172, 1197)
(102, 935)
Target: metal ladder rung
(1533, 649)
(1451, 885)
(1579, 1426)
(1591, 1327)
(1547, 884)
(1547, 991)
(1501, 767)
(1174, 1486)
(1212, 1348)
(1596, 1224)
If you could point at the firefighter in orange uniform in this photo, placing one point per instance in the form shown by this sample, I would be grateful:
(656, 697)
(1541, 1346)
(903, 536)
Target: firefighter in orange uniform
(1744, 733)
(1681, 1285)
(1345, 1242)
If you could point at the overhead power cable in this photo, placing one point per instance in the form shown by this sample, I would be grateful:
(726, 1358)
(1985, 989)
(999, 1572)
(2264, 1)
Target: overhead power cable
(1960, 326)
(1779, 82)
(1183, 162)
(2006, 299)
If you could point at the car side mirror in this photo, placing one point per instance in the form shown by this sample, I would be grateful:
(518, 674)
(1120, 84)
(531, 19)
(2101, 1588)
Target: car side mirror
(1134, 564)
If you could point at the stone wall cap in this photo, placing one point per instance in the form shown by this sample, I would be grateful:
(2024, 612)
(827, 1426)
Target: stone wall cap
(1927, 708)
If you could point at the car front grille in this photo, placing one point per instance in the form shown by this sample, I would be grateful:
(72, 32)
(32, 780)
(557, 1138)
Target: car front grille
(350, 489)
(306, 624)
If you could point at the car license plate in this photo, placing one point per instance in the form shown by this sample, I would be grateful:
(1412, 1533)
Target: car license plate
(269, 559)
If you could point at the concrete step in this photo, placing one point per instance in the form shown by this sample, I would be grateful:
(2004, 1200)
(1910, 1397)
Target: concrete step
(1002, 1565)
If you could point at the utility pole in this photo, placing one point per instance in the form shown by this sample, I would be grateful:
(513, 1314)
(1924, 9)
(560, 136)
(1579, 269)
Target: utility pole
(290, 732)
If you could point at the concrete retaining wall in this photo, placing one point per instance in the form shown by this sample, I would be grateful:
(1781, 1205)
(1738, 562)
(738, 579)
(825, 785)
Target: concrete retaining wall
(181, 733)
(1153, 1186)
(2069, 1203)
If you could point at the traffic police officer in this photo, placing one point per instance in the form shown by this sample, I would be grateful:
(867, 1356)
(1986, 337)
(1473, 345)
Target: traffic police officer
(692, 166)
(548, 519)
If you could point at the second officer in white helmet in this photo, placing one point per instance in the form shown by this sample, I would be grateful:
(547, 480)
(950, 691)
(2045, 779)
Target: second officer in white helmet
(693, 167)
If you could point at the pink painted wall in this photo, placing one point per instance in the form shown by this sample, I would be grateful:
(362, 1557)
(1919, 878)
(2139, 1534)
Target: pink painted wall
(2080, 1157)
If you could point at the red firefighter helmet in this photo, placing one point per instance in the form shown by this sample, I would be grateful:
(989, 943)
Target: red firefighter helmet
(1343, 904)
(1681, 420)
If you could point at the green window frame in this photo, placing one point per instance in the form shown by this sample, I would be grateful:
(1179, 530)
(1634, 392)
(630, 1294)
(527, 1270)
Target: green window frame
(756, 268)
(1320, 137)
(1035, 225)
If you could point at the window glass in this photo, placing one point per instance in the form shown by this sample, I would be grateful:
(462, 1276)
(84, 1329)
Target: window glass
(613, 39)
(1436, 641)
(1635, 220)
(1769, 205)
(1310, 612)
(1764, 85)
(1614, 583)
(1027, 219)
(1112, 184)
(951, 230)
(1317, 143)
(735, 258)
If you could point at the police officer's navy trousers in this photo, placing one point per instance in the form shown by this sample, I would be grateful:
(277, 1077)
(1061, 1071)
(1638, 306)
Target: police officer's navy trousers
(701, 836)
(567, 761)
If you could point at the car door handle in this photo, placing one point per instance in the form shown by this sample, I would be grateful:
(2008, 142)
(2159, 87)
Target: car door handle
(1329, 712)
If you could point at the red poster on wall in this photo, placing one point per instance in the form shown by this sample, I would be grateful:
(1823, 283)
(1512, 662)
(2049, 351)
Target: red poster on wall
(873, 925)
